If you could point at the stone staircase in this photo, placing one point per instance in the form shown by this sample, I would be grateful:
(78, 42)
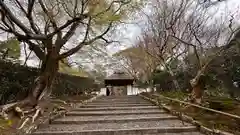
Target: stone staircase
(118, 115)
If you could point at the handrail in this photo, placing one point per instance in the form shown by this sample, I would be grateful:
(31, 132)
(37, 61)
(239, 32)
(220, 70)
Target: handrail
(198, 106)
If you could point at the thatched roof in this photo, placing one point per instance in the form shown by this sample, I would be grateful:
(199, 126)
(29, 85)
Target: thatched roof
(119, 76)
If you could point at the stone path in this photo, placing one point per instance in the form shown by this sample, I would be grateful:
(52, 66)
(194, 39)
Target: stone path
(120, 115)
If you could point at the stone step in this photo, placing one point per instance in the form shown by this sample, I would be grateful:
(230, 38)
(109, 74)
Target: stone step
(118, 115)
(115, 112)
(77, 120)
(116, 99)
(113, 117)
(120, 97)
(117, 108)
(184, 133)
(115, 105)
(164, 126)
(123, 99)
(120, 101)
(190, 130)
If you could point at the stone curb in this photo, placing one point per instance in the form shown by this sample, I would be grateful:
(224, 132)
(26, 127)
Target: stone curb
(189, 119)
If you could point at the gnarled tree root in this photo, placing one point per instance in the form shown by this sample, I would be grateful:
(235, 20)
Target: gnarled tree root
(28, 112)
(32, 117)
(22, 110)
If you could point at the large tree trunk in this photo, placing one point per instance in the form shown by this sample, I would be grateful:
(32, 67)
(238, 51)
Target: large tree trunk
(197, 93)
(44, 82)
(198, 85)
(35, 102)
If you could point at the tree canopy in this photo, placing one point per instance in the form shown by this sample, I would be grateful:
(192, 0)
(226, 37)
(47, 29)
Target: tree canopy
(10, 48)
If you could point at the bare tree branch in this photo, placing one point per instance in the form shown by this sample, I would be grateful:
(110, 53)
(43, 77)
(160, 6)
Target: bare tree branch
(67, 36)
(68, 23)
(45, 10)
(83, 43)
(30, 18)
(19, 24)
(36, 49)
(21, 7)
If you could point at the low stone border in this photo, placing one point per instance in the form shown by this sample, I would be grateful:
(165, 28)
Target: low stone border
(188, 119)
(60, 114)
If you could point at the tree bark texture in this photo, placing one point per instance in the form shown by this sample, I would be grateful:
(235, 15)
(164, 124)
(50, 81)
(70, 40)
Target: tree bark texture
(198, 85)
(42, 88)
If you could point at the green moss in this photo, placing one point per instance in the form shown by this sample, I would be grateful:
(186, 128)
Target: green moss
(220, 103)
(175, 94)
(207, 118)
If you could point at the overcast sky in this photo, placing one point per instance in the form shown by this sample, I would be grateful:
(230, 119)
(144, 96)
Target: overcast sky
(128, 33)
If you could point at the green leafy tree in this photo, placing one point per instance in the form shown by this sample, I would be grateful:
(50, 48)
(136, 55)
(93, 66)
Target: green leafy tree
(64, 67)
(10, 48)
